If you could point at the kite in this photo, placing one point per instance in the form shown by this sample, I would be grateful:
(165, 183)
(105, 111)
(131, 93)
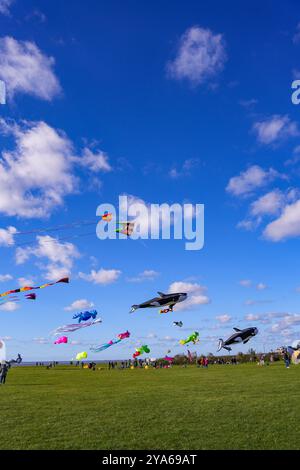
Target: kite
(143, 349)
(107, 216)
(104, 346)
(27, 288)
(81, 355)
(84, 316)
(166, 310)
(169, 359)
(126, 228)
(193, 338)
(16, 361)
(61, 340)
(15, 298)
(161, 301)
(296, 344)
(241, 336)
(178, 323)
(296, 357)
(75, 326)
(191, 356)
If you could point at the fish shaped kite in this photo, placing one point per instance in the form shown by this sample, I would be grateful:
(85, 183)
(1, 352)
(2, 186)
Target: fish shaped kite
(178, 323)
(61, 340)
(104, 346)
(143, 349)
(161, 301)
(84, 316)
(240, 336)
(27, 288)
(75, 326)
(81, 355)
(193, 338)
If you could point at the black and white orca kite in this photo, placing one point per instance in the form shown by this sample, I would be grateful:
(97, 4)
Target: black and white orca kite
(241, 336)
(161, 301)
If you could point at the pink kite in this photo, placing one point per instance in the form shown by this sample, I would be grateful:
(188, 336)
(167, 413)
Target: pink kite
(62, 339)
(169, 359)
(124, 335)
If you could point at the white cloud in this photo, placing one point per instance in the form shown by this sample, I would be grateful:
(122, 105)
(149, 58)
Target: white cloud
(224, 318)
(79, 304)
(94, 161)
(268, 204)
(201, 55)
(5, 277)
(252, 317)
(25, 69)
(147, 275)
(261, 286)
(196, 294)
(24, 281)
(9, 306)
(60, 256)
(5, 6)
(102, 276)
(286, 226)
(187, 167)
(245, 283)
(248, 181)
(274, 129)
(36, 175)
(6, 235)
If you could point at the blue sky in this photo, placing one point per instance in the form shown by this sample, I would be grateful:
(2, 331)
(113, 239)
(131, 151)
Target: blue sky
(166, 103)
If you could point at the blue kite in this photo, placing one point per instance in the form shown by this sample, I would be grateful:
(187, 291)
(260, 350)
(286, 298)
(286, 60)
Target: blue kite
(84, 316)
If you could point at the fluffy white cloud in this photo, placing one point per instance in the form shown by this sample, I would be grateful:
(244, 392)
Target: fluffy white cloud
(25, 69)
(79, 304)
(248, 181)
(268, 204)
(286, 226)
(261, 286)
(94, 161)
(147, 275)
(185, 170)
(275, 129)
(60, 256)
(245, 283)
(201, 55)
(5, 277)
(24, 281)
(9, 306)
(7, 234)
(36, 175)
(5, 6)
(223, 318)
(102, 276)
(252, 317)
(196, 294)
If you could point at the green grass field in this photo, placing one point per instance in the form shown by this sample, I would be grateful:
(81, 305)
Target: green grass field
(224, 407)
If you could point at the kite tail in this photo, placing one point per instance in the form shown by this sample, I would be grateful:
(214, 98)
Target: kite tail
(182, 341)
(133, 308)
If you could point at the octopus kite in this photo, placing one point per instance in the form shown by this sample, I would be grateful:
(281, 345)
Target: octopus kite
(75, 326)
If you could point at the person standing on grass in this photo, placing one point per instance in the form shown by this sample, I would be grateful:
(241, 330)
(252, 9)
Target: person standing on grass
(287, 359)
(3, 373)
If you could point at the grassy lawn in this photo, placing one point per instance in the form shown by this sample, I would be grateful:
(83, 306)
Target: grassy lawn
(224, 407)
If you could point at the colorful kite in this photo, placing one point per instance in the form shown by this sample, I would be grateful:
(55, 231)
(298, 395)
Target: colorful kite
(61, 340)
(104, 346)
(81, 355)
(126, 228)
(26, 288)
(193, 338)
(143, 349)
(84, 316)
(75, 326)
(107, 216)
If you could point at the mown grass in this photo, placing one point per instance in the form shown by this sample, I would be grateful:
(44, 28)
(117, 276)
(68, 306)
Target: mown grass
(224, 407)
